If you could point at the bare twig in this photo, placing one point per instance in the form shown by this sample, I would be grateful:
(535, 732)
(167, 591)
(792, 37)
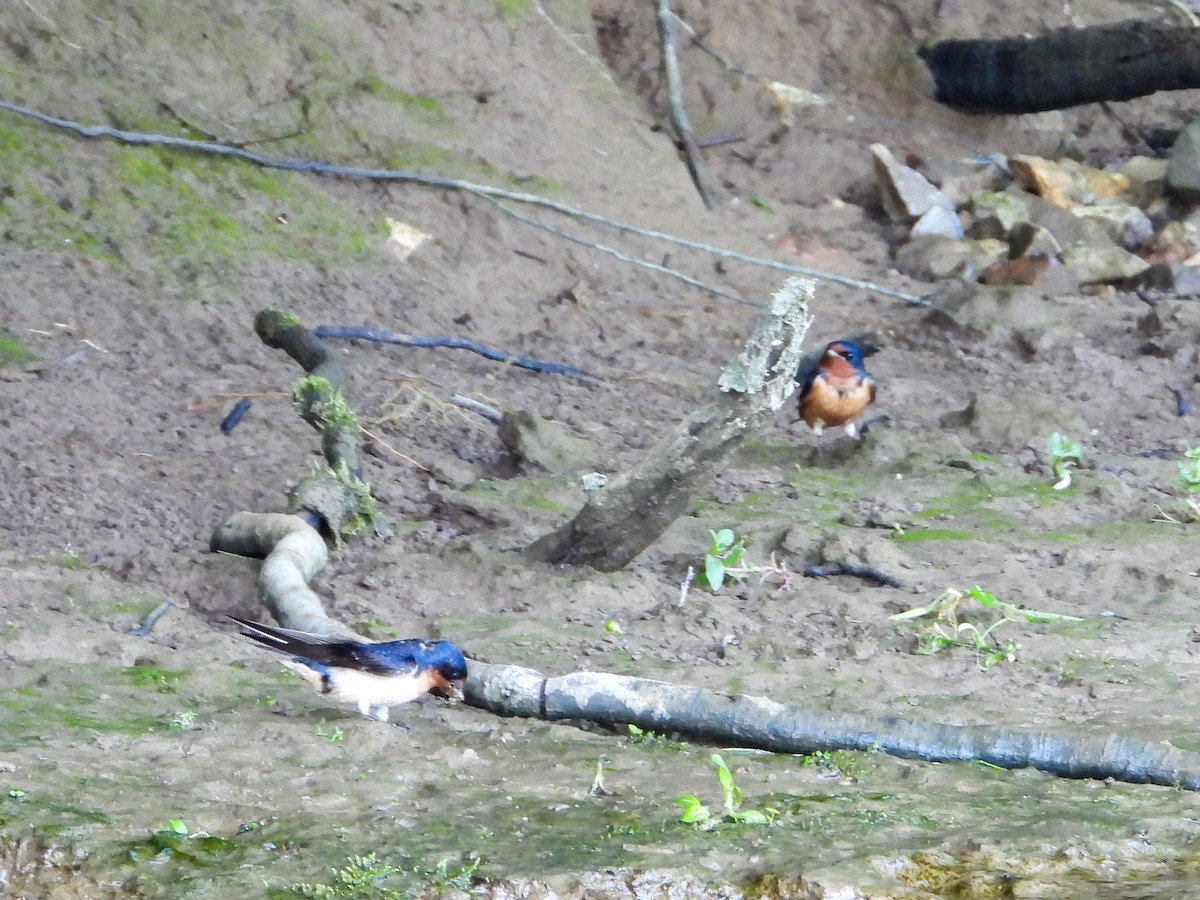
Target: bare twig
(488, 412)
(632, 260)
(679, 116)
(1183, 405)
(388, 447)
(686, 584)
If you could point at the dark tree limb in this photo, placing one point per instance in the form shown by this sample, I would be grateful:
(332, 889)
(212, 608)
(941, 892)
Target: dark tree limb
(637, 506)
(355, 332)
(1066, 67)
(742, 721)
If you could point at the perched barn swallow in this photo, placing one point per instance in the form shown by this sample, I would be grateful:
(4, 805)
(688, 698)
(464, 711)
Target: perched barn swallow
(372, 676)
(837, 390)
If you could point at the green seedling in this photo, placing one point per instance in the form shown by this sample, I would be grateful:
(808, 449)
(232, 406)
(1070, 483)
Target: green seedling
(332, 736)
(643, 738)
(184, 721)
(725, 553)
(989, 650)
(1065, 454)
(361, 877)
(725, 559)
(696, 813)
(1189, 474)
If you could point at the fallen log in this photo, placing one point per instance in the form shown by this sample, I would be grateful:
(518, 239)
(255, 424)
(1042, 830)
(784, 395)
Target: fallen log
(738, 720)
(1066, 67)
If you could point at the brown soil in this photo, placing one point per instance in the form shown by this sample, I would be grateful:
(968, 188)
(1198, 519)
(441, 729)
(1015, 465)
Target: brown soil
(132, 276)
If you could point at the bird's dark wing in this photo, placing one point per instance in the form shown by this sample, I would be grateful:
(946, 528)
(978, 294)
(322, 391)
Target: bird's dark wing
(391, 658)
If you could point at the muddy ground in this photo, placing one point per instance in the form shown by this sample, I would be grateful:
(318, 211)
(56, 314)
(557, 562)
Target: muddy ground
(129, 283)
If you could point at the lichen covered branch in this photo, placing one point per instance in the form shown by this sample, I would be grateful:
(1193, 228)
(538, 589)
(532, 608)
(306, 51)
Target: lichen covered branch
(620, 521)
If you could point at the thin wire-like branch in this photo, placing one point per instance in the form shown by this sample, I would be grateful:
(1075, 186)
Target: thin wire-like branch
(386, 446)
(633, 260)
(354, 332)
(679, 116)
(321, 168)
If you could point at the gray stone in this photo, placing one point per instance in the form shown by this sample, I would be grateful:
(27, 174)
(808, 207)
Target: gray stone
(1183, 169)
(906, 193)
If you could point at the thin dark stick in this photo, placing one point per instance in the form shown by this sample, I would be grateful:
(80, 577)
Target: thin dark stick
(720, 140)
(679, 116)
(354, 332)
(151, 620)
(870, 573)
(1183, 406)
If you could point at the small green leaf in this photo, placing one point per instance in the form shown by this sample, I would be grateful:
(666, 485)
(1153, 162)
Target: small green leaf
(714, 572)
(723, 539)
(177, 826)
(751, 817)
(694, 811)
(612, 626)
(761, 204)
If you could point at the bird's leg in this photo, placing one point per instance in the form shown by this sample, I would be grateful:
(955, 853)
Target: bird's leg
(378, 713)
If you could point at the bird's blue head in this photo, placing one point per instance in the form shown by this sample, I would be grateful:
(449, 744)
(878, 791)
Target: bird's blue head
(446, 659)
(847, 351)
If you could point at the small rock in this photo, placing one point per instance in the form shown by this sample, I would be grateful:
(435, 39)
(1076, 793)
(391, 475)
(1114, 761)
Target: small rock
(1175, 242)
(1102, 265)
(939, 220)
(906, 193)
(547, 444)
(1183, 168)
(1067, 182)
(1123, 222)
(959, 189)
(1170, 278)
(1046, 273)
(932, 257)
(1027, 239)
(997, 213)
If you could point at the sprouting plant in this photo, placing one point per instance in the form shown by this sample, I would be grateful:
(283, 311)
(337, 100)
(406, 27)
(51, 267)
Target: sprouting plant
(989, 649)
(1189, 474)
(362, 877)
(448, 876)
(332, 736)
(725, 553)
(725, 559)
(645, 738)
(696, 813)
(1065, 454)
(185, 720)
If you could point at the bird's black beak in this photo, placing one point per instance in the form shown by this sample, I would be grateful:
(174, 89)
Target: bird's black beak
(449, 690)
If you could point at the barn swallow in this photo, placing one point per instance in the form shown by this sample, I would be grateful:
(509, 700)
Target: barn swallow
(837, 390)
(372, 676)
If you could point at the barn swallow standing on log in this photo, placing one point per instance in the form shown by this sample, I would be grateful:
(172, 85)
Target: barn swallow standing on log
(837, 390)
(372, 676)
